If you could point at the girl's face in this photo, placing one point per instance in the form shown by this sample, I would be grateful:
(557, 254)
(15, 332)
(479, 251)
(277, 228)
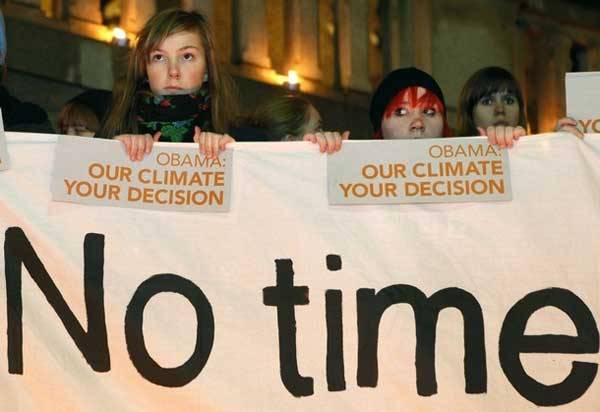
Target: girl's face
(497, 109)
(177, 65)
(76, 130)
(313, 124)
(415, 113)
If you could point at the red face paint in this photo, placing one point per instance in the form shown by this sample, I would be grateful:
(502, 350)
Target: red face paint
(409, 98)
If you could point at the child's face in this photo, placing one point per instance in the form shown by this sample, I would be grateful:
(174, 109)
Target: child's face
(177, 65)
(76, 130)
(313, 123)
(497, 109)
(413, 115)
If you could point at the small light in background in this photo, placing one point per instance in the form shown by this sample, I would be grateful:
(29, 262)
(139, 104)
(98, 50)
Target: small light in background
(330, 28)
(374, 39)
(119, 37)
(292, 83)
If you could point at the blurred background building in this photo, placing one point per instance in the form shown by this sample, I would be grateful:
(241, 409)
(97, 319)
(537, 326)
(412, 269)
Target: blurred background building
(340, 49)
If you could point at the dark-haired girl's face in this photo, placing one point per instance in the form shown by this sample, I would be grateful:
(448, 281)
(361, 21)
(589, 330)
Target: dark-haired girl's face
(313, 123)
(497, 109)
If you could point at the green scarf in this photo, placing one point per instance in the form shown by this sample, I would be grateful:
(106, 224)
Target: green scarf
(174, 116)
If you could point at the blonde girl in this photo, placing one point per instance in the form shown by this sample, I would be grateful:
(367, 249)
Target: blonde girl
(175, 89)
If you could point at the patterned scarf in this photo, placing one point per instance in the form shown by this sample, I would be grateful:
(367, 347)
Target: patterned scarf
(174, 115)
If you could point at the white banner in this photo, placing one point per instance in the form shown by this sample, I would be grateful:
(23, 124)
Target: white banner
(287, 303)
(3, 152)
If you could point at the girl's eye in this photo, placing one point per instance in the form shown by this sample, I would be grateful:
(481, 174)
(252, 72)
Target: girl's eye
(401, 111)
(486, 101)
(188, 56)
(157, 57)
(509, 100)
(430, 111)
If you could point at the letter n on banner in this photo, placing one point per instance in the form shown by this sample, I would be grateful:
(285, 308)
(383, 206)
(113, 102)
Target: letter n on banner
(93, 344)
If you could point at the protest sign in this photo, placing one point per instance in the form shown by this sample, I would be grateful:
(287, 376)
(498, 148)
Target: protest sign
(583, 100)
(419, 171)
(288, 303)
(171, 178)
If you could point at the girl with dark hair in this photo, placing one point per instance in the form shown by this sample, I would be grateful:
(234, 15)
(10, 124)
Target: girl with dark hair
(286, 118)
(491, 104)
(293, 118)
(175, 89)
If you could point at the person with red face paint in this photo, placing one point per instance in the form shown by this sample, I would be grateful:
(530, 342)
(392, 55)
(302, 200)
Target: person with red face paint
(409, 104)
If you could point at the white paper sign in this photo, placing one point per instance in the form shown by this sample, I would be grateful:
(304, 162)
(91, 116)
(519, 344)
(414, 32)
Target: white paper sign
(172, 177)
(418, 171)
(3, 150)
(583, 100)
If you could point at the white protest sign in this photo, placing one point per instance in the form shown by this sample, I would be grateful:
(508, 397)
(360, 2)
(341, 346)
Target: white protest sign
(289, 304)
(418, 171)
(172, 177)
(583, 100)
(3, 150)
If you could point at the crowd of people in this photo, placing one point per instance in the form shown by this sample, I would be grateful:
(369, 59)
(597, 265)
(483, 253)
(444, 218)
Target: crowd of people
(176, 91)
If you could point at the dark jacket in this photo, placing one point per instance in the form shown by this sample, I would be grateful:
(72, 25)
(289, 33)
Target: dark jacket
(23, 117)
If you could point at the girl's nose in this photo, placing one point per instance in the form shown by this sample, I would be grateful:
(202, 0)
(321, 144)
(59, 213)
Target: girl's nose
(417, 123)
(174, 71)
(498, 107)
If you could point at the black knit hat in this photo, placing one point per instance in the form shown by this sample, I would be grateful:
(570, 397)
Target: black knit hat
(395, 82)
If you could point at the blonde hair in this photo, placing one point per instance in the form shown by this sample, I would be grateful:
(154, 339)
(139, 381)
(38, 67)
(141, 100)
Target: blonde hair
(223, 94)
(75, 114)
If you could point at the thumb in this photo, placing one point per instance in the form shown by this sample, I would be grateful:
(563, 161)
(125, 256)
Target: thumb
(197, 132)
(481, 131)
(346, 135)
(156, 136)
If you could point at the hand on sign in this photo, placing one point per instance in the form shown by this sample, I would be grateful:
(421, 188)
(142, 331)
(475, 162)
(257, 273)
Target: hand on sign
(329, 142)
(502, 136)
(211, 143)
(138, 145)
(566, 124)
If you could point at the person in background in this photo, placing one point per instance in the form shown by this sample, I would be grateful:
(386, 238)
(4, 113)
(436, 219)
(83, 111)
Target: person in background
(83, 114)
(293, 118)
(491, 104)
(18, 116)
(408, 104)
